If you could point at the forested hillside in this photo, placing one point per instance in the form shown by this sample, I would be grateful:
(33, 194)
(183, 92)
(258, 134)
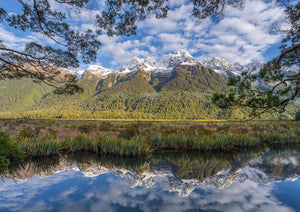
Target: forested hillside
(185, 94)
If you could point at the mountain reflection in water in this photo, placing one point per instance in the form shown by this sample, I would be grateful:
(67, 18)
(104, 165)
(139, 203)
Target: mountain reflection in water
(259, 180)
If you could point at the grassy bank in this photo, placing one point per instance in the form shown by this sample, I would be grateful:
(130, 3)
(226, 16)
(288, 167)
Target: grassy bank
(36, 138)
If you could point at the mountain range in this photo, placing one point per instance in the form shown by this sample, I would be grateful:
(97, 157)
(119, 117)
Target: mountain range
(180, 173)
(167, 66)
(178, 87)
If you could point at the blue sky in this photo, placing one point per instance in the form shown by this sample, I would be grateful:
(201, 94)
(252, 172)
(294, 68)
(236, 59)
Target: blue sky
(240, 36)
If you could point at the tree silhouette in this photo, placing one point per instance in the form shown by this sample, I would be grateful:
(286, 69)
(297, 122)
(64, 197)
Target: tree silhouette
(281, 86)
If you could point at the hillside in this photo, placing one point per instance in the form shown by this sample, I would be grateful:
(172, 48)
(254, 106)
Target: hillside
(178, 88)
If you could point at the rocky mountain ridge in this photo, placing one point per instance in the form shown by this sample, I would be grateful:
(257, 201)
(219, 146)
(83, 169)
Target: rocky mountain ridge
(164, 68)
(169, 64)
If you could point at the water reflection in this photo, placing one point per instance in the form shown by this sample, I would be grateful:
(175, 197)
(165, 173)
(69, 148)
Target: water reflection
(246, 181)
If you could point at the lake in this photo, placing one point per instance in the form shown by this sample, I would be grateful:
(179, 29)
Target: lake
(256, 180)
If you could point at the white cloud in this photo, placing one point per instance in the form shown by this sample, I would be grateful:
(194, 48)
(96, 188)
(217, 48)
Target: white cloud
(110, 193)
(13, 41)
(241, 35)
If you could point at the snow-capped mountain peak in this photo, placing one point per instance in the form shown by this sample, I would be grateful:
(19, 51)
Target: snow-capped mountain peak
(94, 70)
(135, 64)
(173, 60)
(166, 67)
(219, 65)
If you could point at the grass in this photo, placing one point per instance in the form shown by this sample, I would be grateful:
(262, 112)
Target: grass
(50, 137)
(223, 142)
(47, 146)
(37, 148)
(133, 147)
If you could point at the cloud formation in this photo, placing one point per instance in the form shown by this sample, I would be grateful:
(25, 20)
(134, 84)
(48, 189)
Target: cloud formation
(71, 191)
(240, 36)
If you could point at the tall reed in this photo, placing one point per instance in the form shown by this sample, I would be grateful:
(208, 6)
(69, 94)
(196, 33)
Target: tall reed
(36, 147)
(132, 147)
(79, 143)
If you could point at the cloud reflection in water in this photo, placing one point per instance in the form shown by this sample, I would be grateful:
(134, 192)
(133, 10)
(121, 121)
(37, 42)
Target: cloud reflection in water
(251, 187)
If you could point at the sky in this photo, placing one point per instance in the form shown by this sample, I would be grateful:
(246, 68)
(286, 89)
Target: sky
(242, 36)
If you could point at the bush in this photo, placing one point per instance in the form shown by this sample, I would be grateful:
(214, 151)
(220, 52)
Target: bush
(28, 132)
(129, 132)
(86, 128)
(106, 126)
(199, 131)
(53, 133)
(8, 151)
(297, 117)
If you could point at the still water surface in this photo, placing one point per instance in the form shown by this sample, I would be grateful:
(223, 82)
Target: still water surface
(265, 180)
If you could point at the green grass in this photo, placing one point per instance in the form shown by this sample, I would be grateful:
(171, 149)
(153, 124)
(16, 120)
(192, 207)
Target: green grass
(132, 147)
(38, 138)
(36, 148)
(223, 142)
(79, 143)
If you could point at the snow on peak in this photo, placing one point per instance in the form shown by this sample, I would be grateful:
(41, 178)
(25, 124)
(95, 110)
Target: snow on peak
(95, 70)
(252, 68)
(99, 70)
(225, 68)
(135, 64)
(182, 56)
(170, 62)
(219, 65)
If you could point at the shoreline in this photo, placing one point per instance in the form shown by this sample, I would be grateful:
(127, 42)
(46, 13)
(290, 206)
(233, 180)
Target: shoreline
(38, 138)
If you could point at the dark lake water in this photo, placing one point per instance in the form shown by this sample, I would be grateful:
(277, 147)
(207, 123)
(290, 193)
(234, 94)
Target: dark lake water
(265, 180)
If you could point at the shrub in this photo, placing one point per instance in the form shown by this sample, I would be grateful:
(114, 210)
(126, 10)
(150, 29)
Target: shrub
(28, 132)
(105, 126)
(53, 132)
(8, 151)
(199, 131)
(297, 117)
(130, 131)
(86, 128)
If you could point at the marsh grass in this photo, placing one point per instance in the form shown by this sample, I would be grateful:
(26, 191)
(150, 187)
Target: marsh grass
(280, 138)
(102, 144)
(36, 147)
(106, 126)
(79, 143)
(129, 147)
(140, 138)
(223, 142)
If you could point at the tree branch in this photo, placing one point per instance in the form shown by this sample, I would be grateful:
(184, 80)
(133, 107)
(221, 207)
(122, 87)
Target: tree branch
(286, 51)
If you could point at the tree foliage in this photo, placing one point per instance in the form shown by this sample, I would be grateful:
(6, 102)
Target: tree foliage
(280, 86)
(297, 117)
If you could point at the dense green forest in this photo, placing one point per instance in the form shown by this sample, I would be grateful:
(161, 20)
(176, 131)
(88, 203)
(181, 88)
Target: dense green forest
(186, 94)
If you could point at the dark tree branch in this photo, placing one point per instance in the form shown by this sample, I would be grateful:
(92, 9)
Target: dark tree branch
(286, 51)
